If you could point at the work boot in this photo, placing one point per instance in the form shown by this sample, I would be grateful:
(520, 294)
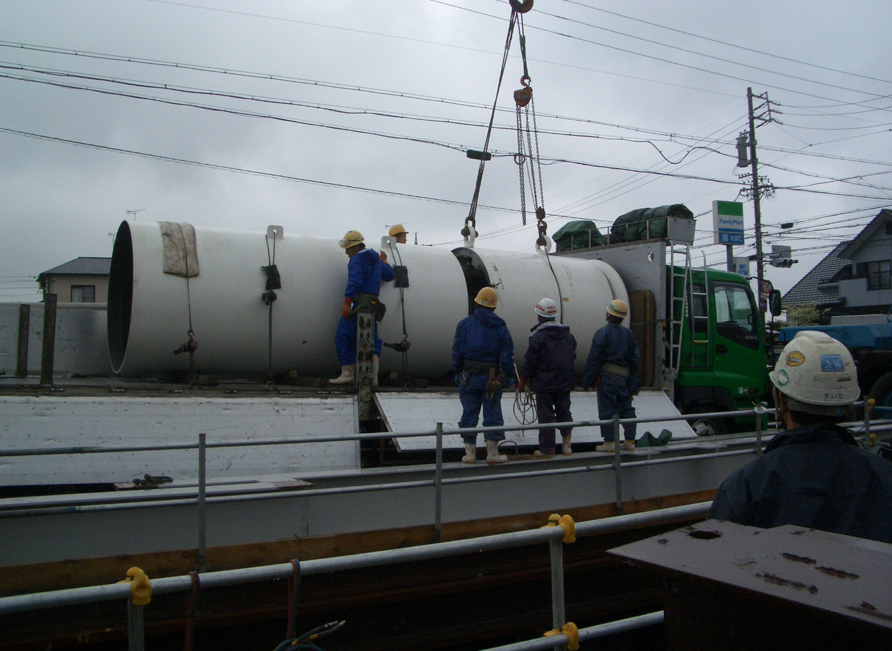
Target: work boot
(375, 362)
(628, 445)
(542, 455)
(347, 376)
(470, 454)
(492, 453)
(566, 450)
(606, 446)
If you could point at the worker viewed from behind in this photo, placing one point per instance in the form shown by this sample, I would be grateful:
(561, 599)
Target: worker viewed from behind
(365, 271)
(549, 368)
(612, 366)
(483, 362)
(812, 474)
(399, 233)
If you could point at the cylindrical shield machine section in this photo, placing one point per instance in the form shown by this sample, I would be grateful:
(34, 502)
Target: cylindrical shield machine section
(172, 284)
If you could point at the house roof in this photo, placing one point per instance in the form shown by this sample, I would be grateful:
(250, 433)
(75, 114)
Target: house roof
(867, 233)
(80, 267)
(814, 286)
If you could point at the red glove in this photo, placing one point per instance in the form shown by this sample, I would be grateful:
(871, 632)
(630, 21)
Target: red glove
(521, 383)
(346, 309)
(383, 257)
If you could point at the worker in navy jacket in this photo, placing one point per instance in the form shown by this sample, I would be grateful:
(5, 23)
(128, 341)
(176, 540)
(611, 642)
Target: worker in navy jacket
(813, 474)
(483, 363)
(549, 368)
(612, 365)
(365, 271)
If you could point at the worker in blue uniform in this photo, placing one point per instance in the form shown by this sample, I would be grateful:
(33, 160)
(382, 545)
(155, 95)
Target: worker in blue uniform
(483, 363)
(549, 367)
(612, 366)
(813, 473)
(365, 271)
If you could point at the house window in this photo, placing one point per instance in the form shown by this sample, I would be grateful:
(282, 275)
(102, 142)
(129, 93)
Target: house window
(879, 274)
(83, 293)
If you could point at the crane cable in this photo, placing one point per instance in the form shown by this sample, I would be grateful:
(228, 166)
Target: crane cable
(518, 8)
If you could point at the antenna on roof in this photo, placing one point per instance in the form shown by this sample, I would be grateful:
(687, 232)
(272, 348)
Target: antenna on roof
(134, 212)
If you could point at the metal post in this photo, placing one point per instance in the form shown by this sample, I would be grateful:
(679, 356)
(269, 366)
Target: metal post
(729, 248)
(136, 633)
(757, 209)
(867, 407)
(438, 485)
(202, 491)
(617, 466)
(24, 329)
(758, 434)
(557, 584)
(49, 339)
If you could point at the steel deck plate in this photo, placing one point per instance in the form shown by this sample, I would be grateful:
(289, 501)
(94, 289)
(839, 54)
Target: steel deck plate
(419, 412)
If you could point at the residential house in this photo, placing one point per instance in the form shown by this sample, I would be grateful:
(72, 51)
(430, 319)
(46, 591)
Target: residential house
(82, 280)
(854, 278)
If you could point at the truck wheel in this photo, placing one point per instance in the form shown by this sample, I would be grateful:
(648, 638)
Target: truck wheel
(707, 426)
(881, 391)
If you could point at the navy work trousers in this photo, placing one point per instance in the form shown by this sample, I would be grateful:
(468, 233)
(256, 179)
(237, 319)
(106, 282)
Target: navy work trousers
(614, 398)
(552, 407)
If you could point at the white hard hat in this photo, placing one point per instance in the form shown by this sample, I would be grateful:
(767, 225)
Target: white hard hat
(547, 308)
(815, 369)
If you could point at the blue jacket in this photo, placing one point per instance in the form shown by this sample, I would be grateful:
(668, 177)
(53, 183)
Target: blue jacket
(612, 344)
(365, 271)
(812, 476)
(483, 337)
(550, 362)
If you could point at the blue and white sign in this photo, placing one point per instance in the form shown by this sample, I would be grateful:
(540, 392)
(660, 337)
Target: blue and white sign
(727, 220)
(742, 267)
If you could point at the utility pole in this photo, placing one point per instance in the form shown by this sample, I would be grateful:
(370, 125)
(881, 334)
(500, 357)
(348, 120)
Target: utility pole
(134, 212)
(758, 187)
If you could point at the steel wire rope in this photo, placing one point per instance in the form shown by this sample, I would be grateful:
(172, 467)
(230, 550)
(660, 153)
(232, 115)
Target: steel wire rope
(394, 249)
(191, 345)
(471, 219)
(271, 261)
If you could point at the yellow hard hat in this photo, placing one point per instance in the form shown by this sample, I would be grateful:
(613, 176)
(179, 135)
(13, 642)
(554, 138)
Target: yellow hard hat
(397, 229)
(352, 238)
(487, 297)
(618, 307)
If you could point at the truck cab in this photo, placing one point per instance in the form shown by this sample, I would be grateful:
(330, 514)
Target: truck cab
(698, 330)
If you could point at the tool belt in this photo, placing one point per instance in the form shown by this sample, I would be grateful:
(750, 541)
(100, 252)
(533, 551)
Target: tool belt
(615, 369)
(370, 303)
(480, 368)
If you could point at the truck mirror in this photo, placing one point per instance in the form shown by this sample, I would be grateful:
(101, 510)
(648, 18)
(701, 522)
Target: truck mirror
(774, 302)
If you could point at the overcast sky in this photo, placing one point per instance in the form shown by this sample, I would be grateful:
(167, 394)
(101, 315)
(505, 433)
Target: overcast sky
(336, 115)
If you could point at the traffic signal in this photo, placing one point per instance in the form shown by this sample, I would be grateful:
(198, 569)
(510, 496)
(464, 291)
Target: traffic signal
(783, 262)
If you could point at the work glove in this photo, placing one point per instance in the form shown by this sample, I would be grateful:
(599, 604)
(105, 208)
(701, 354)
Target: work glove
(521, 383)
(345, 311)
(383, 257)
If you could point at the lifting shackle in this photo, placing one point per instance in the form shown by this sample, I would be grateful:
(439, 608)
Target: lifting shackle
(522, 96)
(521, 6)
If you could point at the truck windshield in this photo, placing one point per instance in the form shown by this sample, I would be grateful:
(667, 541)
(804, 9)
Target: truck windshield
(735, 314)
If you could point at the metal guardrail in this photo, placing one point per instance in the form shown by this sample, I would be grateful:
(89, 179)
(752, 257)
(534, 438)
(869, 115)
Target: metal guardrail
(556, 535)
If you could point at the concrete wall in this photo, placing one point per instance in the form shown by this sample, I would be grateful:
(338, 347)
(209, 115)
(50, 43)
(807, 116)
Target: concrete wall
(81, 340)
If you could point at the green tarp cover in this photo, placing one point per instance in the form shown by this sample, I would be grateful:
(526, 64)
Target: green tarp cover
(646, 223)
(575, 235)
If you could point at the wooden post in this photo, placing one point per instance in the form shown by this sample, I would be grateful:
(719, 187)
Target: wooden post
(24, 325)
(49, 339)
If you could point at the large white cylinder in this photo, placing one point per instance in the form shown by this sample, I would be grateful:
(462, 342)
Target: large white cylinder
(151, 313)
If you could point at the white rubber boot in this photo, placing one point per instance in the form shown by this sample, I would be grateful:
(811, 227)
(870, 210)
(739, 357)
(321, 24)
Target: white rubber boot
(470, 454)
(566, 450)
(375, 363)
(347, 376)
(492, 453)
